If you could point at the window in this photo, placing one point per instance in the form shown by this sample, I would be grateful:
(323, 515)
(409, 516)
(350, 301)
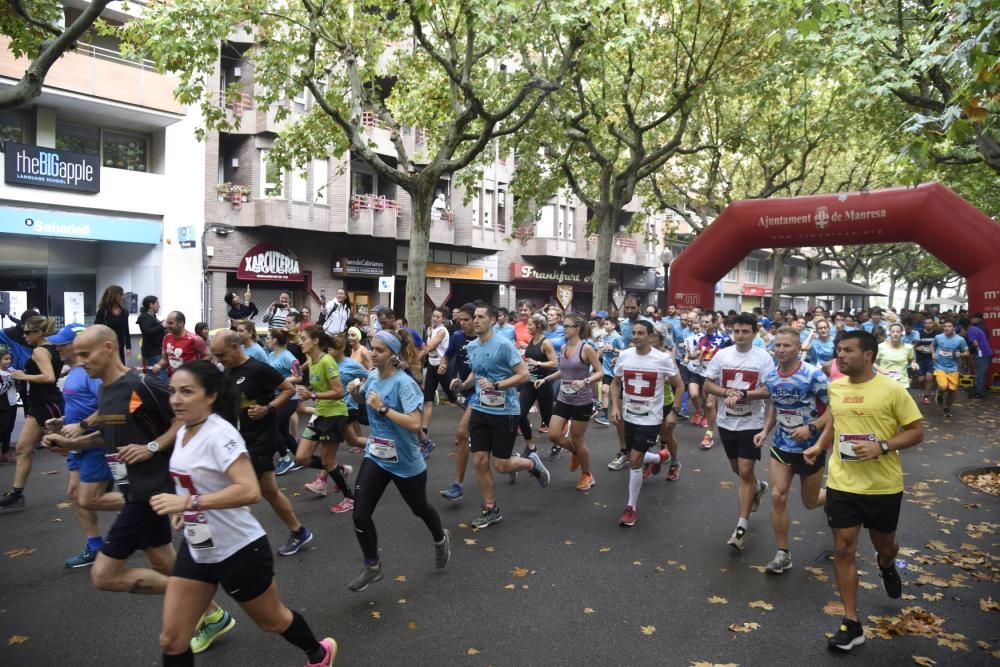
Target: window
(300, 184)
(753, 274)
(545, 227)
(651, 236)
(570, 222)
(270, 177)
(561, 222)
(125, 151)
(78, 138)
(321, 177)
(476, 220)
(733, 275)
(488, 209)
(12, 126)
(362, 183)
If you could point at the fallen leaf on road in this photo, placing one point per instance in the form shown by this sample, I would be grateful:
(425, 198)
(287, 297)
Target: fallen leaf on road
(760, 604)
(983, 645)
(744, 627)
(932, 597)
(588, 610)
(682, 568)
(520, 572)
(637, 562)
(463, 525)
(867, 585)
(50, 472)
(760, 568)
(569, 542)
(923, 661)
(411, 626)
(834, 608)
(716, 599)
(660, 568)
(723, 569)
(16, 639)
(21, 551)
(604, 550)
(401, 578)
(953, 644)
(469, 542)
(647, 629)
(907, 596)
(472, 651)
(490, 549)
(295, 494)
(510, 587)
(989, 604)
(926, 579)
(56, 520)
(702, 663)
(401, 600)
(725, 485)
(63, 506)
(375, 614)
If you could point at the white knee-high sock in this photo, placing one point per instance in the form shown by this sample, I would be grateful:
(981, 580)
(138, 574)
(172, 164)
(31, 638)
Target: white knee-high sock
(634, 486)
(650, 457)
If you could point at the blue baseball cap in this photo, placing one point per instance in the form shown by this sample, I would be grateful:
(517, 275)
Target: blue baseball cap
(602, 313)
(66, 334)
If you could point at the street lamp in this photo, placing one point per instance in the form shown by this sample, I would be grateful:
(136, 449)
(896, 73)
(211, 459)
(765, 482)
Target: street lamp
(666, 257)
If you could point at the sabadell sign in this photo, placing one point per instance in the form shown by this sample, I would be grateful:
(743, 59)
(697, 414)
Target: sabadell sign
(269, 262)
(51, 168)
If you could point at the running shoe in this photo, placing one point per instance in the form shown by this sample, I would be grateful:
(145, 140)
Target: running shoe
(586, 482)
(539, 472)
(345, 505)
(628, 517)
(488, 517)
(286, 464)
(11, 502)
(82, 559)
(684, 415)
(707, 442)
(356, 450)
(947, 413)
(370, 575)
(696, 418)
(295, 542)
(849, 635)
(736, 540)
(426, 447)
(782, 561)
(654, 468)
(758, 495)
(574, 463)
(329, 645)
(527, 451)
(673, 472)
(442, 550)
(555, 453)
(890, 579)
(618, 462)
(453, 492)
(926, 400)
(318, 486)
(602, 419)
(206, 633)
(544, 428)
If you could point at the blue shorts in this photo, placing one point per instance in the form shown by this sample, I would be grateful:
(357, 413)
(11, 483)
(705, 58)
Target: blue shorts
(925, 365)
(91, 464)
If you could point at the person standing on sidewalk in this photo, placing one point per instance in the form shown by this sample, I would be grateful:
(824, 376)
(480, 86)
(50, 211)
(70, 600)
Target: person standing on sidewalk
(982, 355)
(873, 419)
(153, 331)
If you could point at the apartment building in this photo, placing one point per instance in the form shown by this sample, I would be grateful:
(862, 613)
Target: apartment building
(98, 176)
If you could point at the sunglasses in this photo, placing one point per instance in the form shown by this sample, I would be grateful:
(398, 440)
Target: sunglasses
(571, 326)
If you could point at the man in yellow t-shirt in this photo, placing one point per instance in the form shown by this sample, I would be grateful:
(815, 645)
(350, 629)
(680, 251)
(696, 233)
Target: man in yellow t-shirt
(873, 418)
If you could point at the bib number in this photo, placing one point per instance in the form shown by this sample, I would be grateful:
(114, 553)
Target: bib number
(118, 469)
(846, 442)
(383, 449)
(493, 398)
(790, 419)
(197, 532)
(741, 409)
(636, 406)
(568, 389)
(945, 353)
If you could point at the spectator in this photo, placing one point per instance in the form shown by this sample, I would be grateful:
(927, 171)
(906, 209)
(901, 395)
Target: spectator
(246, 310)
(151, 328)
(335, 314)
(111, 313)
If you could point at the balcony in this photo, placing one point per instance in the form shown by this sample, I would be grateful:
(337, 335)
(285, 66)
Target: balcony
(373, 215)
(105, 74)
(536, 246)
(625, 249)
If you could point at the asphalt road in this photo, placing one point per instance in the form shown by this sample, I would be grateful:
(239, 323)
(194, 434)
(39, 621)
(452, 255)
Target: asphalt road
(590, 591)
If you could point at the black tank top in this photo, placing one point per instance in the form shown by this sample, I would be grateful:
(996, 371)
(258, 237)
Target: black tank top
(44, 393)
(534, 351)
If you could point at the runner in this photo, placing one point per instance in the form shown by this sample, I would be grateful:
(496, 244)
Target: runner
(223, 542)
(692, 373)
(640, 375)
(575, 401)
(457, 357)
(282, 360)
(611, 347)
(946, 349)
(522, 335)
(326, 426)
(818, 347)
(667, 426)
(737, 374)
(392, 454)
(434, 349)
(798, 392)
(630, 307)
(503, 327)
(248, 340)
(923, 348)
(359, 352)
(873, 418)
(179, 345)
(540, 358)
(895, 358)
(135, 409)
(713, 340)
(43, 401)
(497, 369)
(356, 415)
(262, 391)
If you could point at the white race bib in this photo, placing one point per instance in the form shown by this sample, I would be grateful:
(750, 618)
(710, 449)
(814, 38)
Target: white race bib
(197, 532)
(790, 419)
(846, 442)
(637, 406)
(493, 398)
(568, 389)
(383, 449)
(118, 469)
(945, 353)
(741, 409)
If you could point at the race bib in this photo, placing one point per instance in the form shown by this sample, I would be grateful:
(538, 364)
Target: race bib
(312, 421)
(741, 409)
(637, 406)
(493, 398)
(790, 419)
(895, 375)
(945, 353)
(197, 532)
(118, 469)
(568, 389)
(846, 442)
(383, 449)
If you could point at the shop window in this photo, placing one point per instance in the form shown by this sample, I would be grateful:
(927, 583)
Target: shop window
(270, 175)
(70, 137)
(125, 151)
(753, 273)
(12, 127)
(733, 275)
(321, 177)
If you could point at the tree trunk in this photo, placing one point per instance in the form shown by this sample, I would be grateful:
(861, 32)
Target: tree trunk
(909, 288)
(813, 274)
(892, 290)
(606, 222)
(416, 269)
(777, 275)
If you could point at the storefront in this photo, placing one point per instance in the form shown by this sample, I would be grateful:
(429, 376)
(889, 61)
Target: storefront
(454, 277)
(572, 289)
(642, 282)
(752, 297)
(268, 270)
(360, 274)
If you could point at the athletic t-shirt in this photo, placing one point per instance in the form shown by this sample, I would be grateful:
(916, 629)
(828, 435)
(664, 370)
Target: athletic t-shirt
(868, 412)
(505, 330)
(821, 351)
(255, 351)
(522, 335)
(179, 351)
(391, 447)
(134, 410)
(923, 342)
(710, 345)
(80, 392)
(40, 393)
(798, 400)
(690, 345)
(612, 346)
(945, 352)
(350, 370)
(625, 327)
(557, 337)
(732, 369)
(257, 383)
(321, 375)
(895, 361)
(434, 354)
(199, 468)
(494, 360)
(642, 377)
(458, 349)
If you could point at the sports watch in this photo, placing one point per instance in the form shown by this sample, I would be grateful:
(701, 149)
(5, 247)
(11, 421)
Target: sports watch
(153, 446)
(884, 444)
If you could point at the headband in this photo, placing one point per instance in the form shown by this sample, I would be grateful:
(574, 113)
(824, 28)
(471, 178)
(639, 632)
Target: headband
(389, 340)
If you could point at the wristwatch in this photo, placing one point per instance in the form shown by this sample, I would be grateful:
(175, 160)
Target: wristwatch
(884, 444)
(496, 385)
(153, 446)
(384, 410)
(812, 428)
(744, 393)
(84, 425)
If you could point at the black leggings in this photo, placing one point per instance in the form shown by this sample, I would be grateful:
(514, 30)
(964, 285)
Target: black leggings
(369, 485)
(286, 441)
(529, 395)
(431, 383)
(7, 419)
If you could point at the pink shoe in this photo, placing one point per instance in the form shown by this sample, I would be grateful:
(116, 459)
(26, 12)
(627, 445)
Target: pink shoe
(318, 486)
(345, 505)
(329, 653)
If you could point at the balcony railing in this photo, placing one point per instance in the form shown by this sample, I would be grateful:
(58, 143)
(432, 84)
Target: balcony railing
(238, 106)
(113, 56)
(620, 241)
(376, 202)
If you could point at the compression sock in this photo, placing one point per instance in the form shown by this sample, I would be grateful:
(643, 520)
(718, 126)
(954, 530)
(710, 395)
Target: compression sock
(95, 543)
(650, 457)
(185, 659)
(316, 463)
(299, 634)
(337, 475)
(634, 486)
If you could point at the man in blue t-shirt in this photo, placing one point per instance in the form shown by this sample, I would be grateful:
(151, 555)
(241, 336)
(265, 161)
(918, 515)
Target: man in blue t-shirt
(88, 471)
(673, 321)
(497, 369)
(503, 327)
(946, 349)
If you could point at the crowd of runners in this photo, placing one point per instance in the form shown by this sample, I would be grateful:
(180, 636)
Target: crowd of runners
(201, 425)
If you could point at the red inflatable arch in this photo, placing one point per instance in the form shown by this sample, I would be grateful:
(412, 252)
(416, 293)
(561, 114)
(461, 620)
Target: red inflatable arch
(930, 214)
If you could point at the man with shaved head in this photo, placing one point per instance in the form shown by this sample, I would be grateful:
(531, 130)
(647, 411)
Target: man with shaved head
(179, 345)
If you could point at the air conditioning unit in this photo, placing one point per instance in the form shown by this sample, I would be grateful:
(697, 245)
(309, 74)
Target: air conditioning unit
(237, 72)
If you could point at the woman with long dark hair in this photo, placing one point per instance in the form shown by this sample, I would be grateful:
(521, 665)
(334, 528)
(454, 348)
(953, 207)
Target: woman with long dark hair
(541, 359)
(223, 542)
(152, 330)
(335, 313)
(111, 313)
